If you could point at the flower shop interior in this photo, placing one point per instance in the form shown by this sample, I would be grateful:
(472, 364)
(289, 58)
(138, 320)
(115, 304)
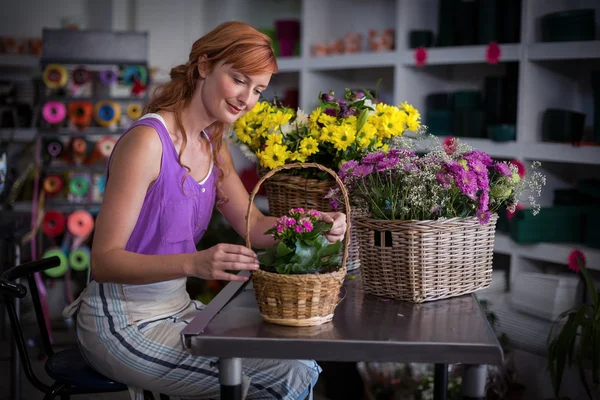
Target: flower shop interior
(481, 84)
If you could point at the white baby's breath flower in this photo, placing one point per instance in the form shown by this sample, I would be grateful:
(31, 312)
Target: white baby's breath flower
(286, 128)
(301, 118)
(248, 153)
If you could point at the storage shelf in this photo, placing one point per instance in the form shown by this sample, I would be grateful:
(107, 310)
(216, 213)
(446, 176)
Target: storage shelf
(353, 61)
(289, 64)
(551, 252)
(18, 134)
(462, 55)
(564, 50)
(19, 60)
(562, 152)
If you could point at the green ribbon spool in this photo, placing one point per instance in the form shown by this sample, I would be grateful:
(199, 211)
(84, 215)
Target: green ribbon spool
(79, 186)
(61, 269)
(79, 259)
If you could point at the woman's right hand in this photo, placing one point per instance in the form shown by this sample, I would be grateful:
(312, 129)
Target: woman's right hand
(215, 262)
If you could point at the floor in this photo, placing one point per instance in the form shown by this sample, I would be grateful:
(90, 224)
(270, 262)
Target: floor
(62, 337)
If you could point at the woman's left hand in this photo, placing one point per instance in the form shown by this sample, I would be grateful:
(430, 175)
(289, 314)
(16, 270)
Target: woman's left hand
(338, 230)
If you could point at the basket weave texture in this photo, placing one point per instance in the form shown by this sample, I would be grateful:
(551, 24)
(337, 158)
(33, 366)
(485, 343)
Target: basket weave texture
(298, 300)
(420, 261)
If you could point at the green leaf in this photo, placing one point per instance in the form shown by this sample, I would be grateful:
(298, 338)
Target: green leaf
(267, 258)
(283, 250)
(590, 286)
(331, 249)
(582, 378)
(304, 255)
(362, 119)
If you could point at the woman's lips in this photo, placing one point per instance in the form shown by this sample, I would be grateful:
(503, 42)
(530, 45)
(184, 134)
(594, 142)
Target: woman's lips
(234, 109)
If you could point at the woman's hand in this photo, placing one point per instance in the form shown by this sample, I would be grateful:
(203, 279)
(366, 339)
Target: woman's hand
(215, 262)
(338, 230)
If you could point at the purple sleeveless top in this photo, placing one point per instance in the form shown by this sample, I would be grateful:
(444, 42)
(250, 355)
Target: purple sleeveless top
(174, 217)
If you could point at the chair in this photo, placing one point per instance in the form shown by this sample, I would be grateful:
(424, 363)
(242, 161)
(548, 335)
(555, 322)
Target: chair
(69, 370)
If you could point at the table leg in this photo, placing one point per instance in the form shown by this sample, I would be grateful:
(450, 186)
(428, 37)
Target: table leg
(230, 378)
(474, 382)
(440, 381)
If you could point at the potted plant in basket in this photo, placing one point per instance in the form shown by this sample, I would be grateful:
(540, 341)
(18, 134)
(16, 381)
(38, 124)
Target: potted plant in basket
(579, 338)
(430, 233)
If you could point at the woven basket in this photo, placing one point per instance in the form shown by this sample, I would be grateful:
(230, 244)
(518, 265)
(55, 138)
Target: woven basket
(285, 191)
(298, 300)
(420, 261)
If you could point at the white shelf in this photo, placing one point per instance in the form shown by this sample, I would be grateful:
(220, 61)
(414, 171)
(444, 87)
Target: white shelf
(18, 134)
(19, 60)
(562, 152)
(463, 55)
(551, 252)
(564, 50)
(353, 61)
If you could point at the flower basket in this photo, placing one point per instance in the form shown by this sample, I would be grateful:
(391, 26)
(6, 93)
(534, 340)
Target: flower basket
(298, 300)
(428, 260)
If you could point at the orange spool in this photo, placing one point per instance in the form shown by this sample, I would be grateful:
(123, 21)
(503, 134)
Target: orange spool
(80, 223)
(80, 113)
(53, 184)
(79, 145)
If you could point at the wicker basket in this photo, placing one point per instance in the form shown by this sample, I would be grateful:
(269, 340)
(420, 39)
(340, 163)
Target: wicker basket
(285, 191)
(298, 300)
(420, 261)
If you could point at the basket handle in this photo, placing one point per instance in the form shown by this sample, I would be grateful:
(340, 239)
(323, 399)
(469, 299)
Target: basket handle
(303, 165)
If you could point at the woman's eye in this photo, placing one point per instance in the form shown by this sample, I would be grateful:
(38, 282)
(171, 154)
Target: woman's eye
(258, 92)
(238, 81)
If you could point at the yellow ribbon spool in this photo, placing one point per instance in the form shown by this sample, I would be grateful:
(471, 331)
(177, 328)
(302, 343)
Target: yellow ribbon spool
(107, 113)
(55, 76)
(134, 111)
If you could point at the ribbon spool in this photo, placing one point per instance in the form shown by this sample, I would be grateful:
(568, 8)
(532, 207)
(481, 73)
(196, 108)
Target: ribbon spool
(54, 223)
(106, 145)
(53, 184)
(54, 76)
(61, 269)
(107, 113)
(79, 259)
(134, 73)
(81, 76)
(80, 223)
(54, 148)
(79, 186)
(79, 146)
(134, 111)
(80, 113)
(107, 77)
(54, 112)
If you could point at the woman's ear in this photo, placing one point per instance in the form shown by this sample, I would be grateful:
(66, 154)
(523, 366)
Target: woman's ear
(202, 66)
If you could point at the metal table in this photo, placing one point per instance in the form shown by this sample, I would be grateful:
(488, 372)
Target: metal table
(364, 328)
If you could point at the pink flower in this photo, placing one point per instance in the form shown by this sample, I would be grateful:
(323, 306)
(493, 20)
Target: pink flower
(450, 145)
(299, 228)
(314, 213)
(297, 211)
(510, 214)
(520, 167)
(576, 260)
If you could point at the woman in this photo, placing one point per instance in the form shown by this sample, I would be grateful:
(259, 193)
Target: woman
(164, 177)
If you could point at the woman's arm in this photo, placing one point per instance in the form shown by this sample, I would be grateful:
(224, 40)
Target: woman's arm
(134, 166)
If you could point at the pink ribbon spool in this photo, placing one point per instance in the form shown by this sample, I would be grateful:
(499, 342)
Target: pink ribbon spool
(106, 145)
(54, 112)
(80, 223)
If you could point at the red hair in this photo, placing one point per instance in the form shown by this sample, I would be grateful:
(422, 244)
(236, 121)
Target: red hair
(236, 43)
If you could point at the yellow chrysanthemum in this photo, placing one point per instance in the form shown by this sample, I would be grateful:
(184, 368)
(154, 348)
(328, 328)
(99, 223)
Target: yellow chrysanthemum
(274, 138)
(298, 156)
(366, 135)
(343, 137)
(309, 146)
(413, 122)
(327, 134)
(274, 156)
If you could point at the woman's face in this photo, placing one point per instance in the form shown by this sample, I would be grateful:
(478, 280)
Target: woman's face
(228, 94)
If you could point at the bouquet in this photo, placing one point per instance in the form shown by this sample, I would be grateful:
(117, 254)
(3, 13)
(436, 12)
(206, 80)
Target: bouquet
(302, 246)
(336, 131)
(455, 181)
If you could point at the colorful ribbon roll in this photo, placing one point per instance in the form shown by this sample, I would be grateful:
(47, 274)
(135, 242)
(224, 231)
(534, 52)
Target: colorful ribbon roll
(79, 259)
(79, 185)
(54, 112)
(106, 145)
(80, 146)
(80, 223)
(107, 113)
(53, 184)
(81, 76)
(134, 111)
(54, 148)
(61, 269)
(54, 76)
(107, 77)
(134, 73)
(54, 223)
(80, 113)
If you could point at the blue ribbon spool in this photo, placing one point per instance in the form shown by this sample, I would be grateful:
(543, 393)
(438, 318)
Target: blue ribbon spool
(133, 73)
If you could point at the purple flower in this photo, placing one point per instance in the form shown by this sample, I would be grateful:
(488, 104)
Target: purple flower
(483, 217)
(362, 170)
(503, 168)
(444, 179)
(484, 201)
(347, 166)
(455, 168)
(327, 97)
(373, 158)
(467, 183)
(401, 153)
(334, 203)
(387, 163)
(358, 95)
(332, 112)
(480, 156)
